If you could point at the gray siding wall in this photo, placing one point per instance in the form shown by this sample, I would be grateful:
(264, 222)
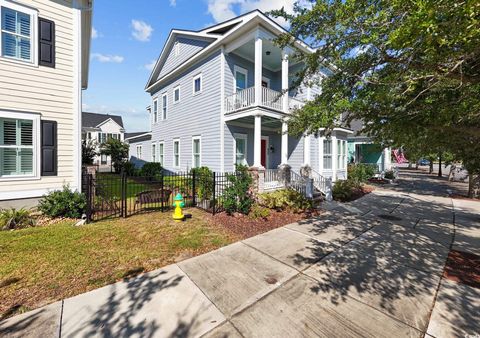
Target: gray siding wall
(194, 115)
(295, 153)
(146, 153)
(188, 47)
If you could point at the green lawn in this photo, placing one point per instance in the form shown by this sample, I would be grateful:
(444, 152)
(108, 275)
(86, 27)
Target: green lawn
(45, 264)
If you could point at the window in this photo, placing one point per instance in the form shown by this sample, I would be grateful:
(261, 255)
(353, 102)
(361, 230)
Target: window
(103, 159)
(341, 154)
(154, 152)
(18, 142)
(196, 152)
(265, 82)
(89, 136)
(155, 111)
(197, 84)
(161, 153)
(240, 149)
(176, 153)
(17, 30)
(164, 106)
(240, 78)
(176, 94)
(139, 151)
(102, 137)
(327, 154)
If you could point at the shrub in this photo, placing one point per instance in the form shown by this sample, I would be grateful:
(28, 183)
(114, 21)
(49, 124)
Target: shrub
(258, 211)
(389, 175)
(204, 182)
(130, 169)
(237, 195)
(360, 172)
(285, 199)
(63, 203)
(151, 169)
(16, 219)
(118, 152)
(89, 151)
(345, 190)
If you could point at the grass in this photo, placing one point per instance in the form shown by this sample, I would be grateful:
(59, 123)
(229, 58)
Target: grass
(44, 264)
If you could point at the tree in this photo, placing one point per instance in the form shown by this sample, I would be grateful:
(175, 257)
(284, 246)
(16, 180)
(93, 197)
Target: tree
(118, 152)
(409, 69)
(88, 152)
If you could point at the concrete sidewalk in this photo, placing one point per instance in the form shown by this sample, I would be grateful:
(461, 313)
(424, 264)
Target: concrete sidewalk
(372, 267)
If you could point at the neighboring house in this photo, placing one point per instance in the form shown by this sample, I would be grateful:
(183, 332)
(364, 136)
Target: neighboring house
(217, 101)
(98, 128)
(141, 148)
(44, 59)
(362, 149)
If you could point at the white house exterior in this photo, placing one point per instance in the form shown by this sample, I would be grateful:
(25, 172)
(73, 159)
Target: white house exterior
(98, 128)
(220, 97)
(142, 149)
(44, 58)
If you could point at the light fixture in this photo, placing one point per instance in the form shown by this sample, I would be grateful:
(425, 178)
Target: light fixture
(268, 52)
(272, 149)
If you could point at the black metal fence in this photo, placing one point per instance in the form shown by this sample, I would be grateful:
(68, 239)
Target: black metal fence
(121, 195)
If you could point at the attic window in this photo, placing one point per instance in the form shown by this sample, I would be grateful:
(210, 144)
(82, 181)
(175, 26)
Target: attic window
(176, 48)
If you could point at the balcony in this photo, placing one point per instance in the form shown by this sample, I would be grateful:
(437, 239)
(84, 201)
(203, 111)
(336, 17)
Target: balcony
(271, 99)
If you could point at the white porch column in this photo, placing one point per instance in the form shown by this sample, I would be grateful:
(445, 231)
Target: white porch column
(284, 142)
(285, 80)
(334, 156)
(306, 150)
(257, 142)
(258, 70)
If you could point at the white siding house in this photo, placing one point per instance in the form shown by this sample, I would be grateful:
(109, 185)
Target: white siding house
(44, 55)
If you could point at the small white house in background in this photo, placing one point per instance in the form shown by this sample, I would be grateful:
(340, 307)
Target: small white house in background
(44, 60)
(98, 128)
(141, 148)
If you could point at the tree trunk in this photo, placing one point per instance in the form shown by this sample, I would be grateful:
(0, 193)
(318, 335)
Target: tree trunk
(440, 165)
(470, 185)
(430, 170)
(453, 167)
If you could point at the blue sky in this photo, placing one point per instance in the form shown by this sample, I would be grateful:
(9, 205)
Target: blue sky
(129, 36)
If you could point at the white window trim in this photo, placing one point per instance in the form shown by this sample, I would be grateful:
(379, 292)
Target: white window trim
(198, 76)
(139, 146)
(155, 117)
(200, 153)
(162, 162)
(33, 33)
(36, 144)
(238, 69)
(267, 80)
(153, 155)
(173, 152)
(164, 95)
(243, 137)
(179, 93)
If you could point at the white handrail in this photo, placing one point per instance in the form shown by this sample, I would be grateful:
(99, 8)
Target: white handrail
(242, 99)
(271, 98)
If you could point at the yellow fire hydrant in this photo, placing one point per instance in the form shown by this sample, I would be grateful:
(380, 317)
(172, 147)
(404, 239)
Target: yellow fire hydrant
(178, 204)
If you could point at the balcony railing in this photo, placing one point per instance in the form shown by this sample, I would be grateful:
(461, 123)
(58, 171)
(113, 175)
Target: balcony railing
(246, 98)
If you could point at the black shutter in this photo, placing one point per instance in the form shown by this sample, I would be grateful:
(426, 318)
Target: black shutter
(46, 43)
(49, 148)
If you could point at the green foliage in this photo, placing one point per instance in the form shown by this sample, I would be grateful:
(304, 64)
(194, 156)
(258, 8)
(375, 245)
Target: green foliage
(407, 69)
(151, 170)
(257, 211)
(344, 190)
(63, 203)
(389, 175)
(16, 219)
(237, 196)
(118, 152)
(88, 152)
(285, 199)
(130, 169)
(204, 182)
(360, 172)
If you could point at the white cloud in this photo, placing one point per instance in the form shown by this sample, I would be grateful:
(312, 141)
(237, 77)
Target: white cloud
(173, 3)
(141, 30)
(149, 66)
(94, 33)
(222, 10)
(107, 58)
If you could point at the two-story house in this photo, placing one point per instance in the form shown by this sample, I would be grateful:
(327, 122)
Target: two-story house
(98, 128)
(220, 97)
(44, 59)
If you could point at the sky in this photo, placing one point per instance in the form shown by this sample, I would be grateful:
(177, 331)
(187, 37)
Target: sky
(127, 38)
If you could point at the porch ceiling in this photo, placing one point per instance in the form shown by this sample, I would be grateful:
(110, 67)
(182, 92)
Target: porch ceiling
(267, 122)
(273, 61)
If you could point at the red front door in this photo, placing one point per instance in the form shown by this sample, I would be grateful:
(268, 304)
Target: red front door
(263, 157)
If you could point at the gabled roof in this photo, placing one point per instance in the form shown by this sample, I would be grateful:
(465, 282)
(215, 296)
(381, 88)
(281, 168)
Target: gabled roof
(219, 34)
(135, 134)
(93, 120)
(138, 136)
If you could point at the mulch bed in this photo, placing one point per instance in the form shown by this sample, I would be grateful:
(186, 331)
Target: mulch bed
(245, 226)
(359, 192)
(463, 267)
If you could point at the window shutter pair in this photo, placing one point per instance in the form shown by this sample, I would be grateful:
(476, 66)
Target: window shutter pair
(46, 43)
(49, 148)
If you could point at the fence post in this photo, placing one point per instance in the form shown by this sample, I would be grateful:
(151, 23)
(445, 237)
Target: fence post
(124, 193)
(214, 196)
(162, 192)
(328, 189)
(89, 198)
(194, 198)
(309, 188)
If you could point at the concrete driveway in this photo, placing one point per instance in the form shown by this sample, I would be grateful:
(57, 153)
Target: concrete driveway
(372, 267)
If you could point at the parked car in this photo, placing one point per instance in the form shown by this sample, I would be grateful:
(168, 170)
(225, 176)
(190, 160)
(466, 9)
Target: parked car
(423, 161)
